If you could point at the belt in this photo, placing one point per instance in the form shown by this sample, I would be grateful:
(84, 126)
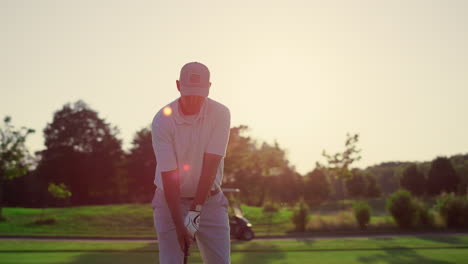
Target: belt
(212, 192)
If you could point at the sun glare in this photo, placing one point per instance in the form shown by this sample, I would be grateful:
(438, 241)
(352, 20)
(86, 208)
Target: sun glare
(167, 111)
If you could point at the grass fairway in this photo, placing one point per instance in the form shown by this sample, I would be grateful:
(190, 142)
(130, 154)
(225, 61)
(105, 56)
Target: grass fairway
(392, 250)
(124, 220)
(136, 220)
(98, 221)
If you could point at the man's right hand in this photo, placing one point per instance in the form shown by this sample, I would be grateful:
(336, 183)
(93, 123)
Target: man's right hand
(184, 238)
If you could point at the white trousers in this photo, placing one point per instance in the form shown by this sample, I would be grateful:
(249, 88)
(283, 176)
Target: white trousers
(213, 237)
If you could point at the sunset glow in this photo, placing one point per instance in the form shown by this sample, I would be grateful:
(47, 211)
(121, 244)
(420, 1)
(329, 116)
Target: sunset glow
(303, 73)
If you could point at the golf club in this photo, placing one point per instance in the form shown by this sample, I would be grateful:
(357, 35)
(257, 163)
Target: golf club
(186, 254)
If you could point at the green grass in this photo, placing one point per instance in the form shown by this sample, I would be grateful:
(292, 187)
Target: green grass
(111, 221)
(392, 250)
(128, 220)
(136, 220)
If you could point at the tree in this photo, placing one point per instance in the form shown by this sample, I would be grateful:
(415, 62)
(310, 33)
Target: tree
(301, 216)
(340, 162)
(258, 169)
(317, 188)
(270, 162)
(141, 165)
(83, 152)
(58, 192)
(413, 180)
(442, 177)
(362, 213)
(289, 179)
(356, 185)
(13, 154)
(386, 174)
(460, 164)
(373, 188)
(239, 164)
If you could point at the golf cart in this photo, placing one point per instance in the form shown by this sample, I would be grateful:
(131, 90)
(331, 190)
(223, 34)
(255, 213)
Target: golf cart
(241, 228)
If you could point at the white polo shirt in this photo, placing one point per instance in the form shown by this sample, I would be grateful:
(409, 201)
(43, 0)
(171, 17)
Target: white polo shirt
(179, 142)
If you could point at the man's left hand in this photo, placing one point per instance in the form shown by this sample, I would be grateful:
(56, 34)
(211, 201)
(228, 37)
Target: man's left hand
(192, 222)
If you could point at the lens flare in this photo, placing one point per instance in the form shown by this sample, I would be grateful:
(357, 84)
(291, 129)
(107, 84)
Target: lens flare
(167, 111)
(186, 167)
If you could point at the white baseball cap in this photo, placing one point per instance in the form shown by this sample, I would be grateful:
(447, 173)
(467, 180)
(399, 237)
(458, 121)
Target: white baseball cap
(194, 79)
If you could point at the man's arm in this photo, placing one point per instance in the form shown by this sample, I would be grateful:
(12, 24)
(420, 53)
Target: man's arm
(165, 154)
(208, 175)
(171, 183)
(215, 151)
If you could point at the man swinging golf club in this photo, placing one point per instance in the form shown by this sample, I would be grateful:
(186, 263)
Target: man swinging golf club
(190, 137)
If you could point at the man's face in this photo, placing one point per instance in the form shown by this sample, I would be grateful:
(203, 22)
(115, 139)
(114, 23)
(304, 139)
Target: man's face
(192, 103)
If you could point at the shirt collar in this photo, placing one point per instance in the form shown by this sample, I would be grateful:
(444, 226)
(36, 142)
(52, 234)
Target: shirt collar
(179, 117)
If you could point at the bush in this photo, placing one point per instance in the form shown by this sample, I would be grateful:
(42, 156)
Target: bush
(403, 209)
(362, 212)
(454, 210)
(300, 216)
(340, 221)
(424, 218)
(269, 210)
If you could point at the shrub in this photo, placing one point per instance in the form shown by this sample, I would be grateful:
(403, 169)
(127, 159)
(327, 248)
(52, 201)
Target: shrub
(403, 209)
(269, 210)
(454, 210)
(300, 216)
(362, 212)
(424, 218)
(343, 220)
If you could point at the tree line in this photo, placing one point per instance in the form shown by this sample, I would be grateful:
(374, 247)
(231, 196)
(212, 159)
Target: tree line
(83, 152)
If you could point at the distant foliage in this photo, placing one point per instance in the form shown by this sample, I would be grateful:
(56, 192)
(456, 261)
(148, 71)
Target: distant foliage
(340, 162)
(270, 210)
(413, 180)
(260, 171)
(402, 208)
(13, 154)
(373, 188)
(425, 217)
(408, 211)
(454, 210)
(387, 175)
(301, 216)
(140, 167)
(356, 185)
(83, 152)
(362, 212)
(442, 177)
(317, 188)
(362, 184)
(59, 191)
(460, 164)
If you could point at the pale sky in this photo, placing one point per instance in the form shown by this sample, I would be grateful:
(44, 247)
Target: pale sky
(303, 73)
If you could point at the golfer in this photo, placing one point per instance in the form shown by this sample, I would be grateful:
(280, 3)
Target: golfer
(190, 137)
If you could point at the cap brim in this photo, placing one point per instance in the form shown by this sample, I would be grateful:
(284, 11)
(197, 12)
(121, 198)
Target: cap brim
(186, 90)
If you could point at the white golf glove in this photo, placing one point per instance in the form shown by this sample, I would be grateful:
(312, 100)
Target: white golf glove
(192, 222)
